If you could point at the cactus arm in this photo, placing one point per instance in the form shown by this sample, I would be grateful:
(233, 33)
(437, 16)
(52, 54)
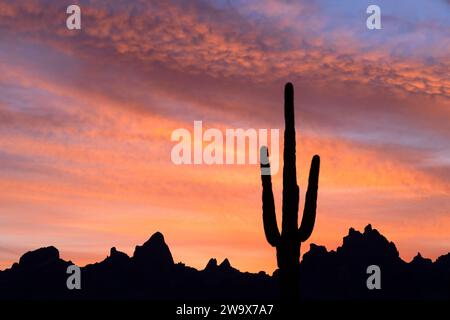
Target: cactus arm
(309, 212)
(269, 216)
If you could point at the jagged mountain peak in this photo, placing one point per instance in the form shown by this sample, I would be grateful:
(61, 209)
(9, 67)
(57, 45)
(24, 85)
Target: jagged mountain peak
(151, 273)
(369, 243)
(419, 260)
(368, 229)
(39, 257)
(116, 255)
(212, 264)
(154, 252)
(225, 264)
(156, 239)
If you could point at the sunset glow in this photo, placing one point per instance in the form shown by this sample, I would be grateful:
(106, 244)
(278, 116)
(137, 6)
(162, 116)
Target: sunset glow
(86, 119)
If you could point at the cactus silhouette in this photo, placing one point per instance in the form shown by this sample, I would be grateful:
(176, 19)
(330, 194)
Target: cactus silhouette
(287, 243)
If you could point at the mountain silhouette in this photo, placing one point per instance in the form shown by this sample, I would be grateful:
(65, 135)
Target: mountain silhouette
(154, 253)
(151, 273)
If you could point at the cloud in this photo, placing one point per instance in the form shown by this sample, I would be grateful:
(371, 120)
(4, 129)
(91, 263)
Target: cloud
(197, 37)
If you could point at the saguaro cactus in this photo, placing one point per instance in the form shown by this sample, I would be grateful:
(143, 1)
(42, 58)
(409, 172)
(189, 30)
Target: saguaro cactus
(288, 242)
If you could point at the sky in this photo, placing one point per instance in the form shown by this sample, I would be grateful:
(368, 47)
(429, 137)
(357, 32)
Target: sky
(86, 118)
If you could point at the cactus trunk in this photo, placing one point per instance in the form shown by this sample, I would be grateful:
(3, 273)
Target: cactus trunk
(287, 243)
